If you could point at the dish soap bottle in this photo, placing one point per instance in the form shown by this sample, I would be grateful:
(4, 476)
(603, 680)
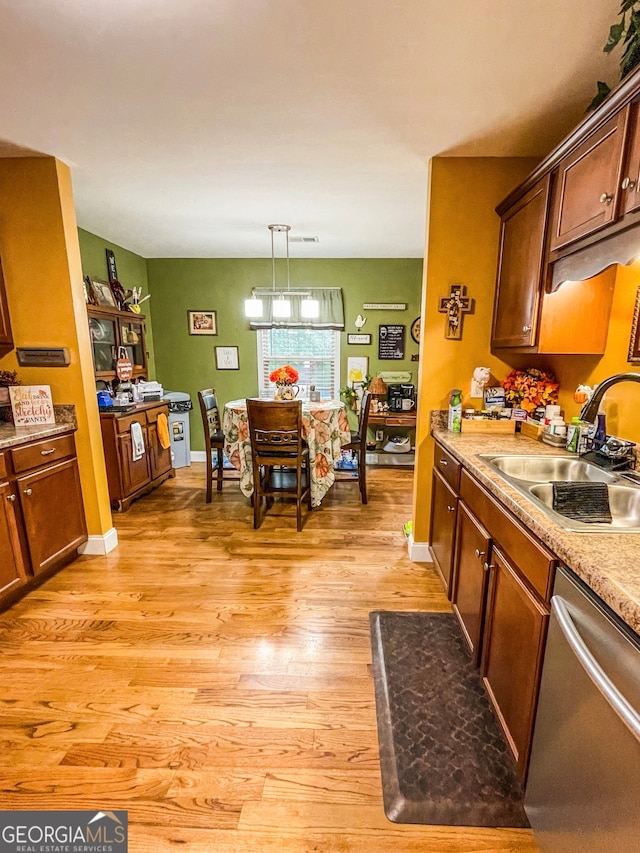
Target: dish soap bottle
(455, 411)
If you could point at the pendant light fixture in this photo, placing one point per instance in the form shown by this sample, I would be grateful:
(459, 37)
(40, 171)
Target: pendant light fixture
(280, 299)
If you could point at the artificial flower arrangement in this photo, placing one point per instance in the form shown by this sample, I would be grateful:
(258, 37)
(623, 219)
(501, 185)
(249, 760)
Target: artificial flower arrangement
(528, 389)
(285, 375)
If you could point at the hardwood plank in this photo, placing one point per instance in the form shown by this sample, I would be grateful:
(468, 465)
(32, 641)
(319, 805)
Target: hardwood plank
(215, 680)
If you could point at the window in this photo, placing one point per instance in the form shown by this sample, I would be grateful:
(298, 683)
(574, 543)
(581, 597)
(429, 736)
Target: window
(315, 354)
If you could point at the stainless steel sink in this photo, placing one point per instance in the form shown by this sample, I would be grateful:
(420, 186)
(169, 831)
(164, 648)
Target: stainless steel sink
(543, 469)
(532, 476)
(624, 503)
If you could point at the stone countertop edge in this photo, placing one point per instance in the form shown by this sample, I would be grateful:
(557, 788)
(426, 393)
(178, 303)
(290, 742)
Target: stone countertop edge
(12, 436)
(609, 563)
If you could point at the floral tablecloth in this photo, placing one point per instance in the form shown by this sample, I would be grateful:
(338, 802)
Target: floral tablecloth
(325, 427)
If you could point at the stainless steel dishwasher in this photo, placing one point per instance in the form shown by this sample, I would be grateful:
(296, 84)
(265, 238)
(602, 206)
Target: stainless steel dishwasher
(583, 789)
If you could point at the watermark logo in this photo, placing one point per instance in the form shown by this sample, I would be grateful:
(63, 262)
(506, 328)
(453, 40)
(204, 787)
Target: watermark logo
(63, 832)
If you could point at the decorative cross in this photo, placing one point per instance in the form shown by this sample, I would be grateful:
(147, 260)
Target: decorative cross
(455, 306)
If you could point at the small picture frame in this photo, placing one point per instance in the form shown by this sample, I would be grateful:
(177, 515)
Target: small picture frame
(227, 358)
(634, 342)
(102, 293)
(359, 339)
(202, 322)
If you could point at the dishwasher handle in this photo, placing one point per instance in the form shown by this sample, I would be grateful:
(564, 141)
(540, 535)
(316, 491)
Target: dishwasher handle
(622, 707)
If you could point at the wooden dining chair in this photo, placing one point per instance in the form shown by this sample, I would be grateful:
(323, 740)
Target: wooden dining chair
(358, 443)
(213, 440)
(275, 431)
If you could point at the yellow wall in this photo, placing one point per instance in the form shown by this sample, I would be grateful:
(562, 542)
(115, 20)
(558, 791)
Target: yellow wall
(461, 247)
(43, 278)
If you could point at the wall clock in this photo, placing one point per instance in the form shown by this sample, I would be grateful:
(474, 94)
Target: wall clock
(415, 330)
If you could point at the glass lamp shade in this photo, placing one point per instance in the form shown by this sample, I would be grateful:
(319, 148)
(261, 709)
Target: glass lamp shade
(309, 308)
(281, 308)
(253, 307)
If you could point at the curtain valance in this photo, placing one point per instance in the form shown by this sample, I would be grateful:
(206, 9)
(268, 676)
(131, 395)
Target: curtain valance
(331, 315)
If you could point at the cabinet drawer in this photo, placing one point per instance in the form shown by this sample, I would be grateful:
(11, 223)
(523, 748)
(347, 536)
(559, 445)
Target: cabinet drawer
(42, 452)
(536, 564)
(447, 465)
(152, 414)
(124, 424)
(3, 465)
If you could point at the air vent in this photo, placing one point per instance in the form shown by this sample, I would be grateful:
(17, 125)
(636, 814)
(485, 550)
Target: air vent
(304, 240)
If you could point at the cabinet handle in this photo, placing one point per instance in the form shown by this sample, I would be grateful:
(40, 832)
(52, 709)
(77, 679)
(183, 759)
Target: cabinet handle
(11, 497)
(605, 198)
(47, 452)
(480, 553)
(450, 508)
(28, 491)
(526, 328)
(443, 462)
(487, 567)
(628, 184)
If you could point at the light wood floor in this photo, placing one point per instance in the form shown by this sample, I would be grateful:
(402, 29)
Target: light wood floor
(215, 680)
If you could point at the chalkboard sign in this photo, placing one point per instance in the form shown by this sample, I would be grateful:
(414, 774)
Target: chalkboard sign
(391, 342)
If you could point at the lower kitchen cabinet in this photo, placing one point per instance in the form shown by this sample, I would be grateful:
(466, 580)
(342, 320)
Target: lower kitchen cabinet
(130, 478)
(42, 522)
(499, 583)
(513, 651)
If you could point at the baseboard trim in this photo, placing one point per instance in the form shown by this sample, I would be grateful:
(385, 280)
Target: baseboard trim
(419, 552)
(198, 455)
(100, 545)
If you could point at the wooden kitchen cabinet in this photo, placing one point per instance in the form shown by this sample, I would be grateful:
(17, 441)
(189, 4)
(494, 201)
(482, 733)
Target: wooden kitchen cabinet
(630, 183)
(521, 269)
(587, 183)
(470, 578)
(513, 651)
(129, 479)
(42, 522)
(109, 330)
(444, 507)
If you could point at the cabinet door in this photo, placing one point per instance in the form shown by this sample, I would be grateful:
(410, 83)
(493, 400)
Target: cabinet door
(512, 658)
(587, 184)
(470, 578)
(521, 269)
(630, 182)
(12, 570)
(102, 331)
(6, 336)
(444, 506)
(135, 473)
(132, 338)
(159, 457)
(53, 514)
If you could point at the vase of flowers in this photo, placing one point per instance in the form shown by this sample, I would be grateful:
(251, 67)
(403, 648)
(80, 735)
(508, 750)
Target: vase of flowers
(285, 378)
(530, 389)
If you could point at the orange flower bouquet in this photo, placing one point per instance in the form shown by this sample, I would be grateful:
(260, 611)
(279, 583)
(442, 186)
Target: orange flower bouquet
(528, 389)
(286, 375)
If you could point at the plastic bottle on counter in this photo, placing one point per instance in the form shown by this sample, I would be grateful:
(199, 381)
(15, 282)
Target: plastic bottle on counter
(455, 411)
(597, 433)
(577, 436)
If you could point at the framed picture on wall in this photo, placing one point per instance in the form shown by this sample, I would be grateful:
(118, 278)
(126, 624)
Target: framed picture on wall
(227, 358)
(102, 293)
(202, 323)
(634, 342)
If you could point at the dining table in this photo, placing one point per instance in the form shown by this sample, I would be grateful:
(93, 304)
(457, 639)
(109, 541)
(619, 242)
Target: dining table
(325, 428)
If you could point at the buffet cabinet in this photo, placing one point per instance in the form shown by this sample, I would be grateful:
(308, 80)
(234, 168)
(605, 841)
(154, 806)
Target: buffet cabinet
(499, 579)
(42, 522)
(129, 477)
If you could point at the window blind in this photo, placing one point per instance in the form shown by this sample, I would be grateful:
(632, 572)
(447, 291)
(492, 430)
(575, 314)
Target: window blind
(314, 353)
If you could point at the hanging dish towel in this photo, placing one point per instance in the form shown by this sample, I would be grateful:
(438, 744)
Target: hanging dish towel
(137, 442)
(163, 431)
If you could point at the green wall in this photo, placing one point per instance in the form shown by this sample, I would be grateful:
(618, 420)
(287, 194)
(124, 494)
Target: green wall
(132, 272)
(187, 363)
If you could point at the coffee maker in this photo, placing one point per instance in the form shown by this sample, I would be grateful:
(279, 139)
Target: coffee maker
(402, 398)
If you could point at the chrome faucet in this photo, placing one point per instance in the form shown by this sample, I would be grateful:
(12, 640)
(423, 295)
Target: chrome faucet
(590, 409)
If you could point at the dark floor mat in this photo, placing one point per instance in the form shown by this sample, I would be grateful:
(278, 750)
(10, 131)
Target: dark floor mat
(443, 757)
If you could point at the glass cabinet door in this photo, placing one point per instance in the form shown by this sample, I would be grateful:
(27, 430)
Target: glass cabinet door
(132, 338)
(103, 342)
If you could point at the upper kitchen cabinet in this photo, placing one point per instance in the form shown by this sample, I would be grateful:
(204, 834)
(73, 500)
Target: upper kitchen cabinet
(520, 269)
(6, 336)
(110, 330)
(587, 184)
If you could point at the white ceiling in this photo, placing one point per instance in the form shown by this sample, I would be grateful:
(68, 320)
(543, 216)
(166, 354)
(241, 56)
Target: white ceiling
(190, 125)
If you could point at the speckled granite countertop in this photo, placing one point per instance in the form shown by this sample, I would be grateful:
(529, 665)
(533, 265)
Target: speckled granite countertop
(11, 436)
(608, 562)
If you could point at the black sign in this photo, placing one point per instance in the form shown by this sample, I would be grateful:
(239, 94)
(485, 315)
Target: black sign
(391, 342)
(111, 265)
